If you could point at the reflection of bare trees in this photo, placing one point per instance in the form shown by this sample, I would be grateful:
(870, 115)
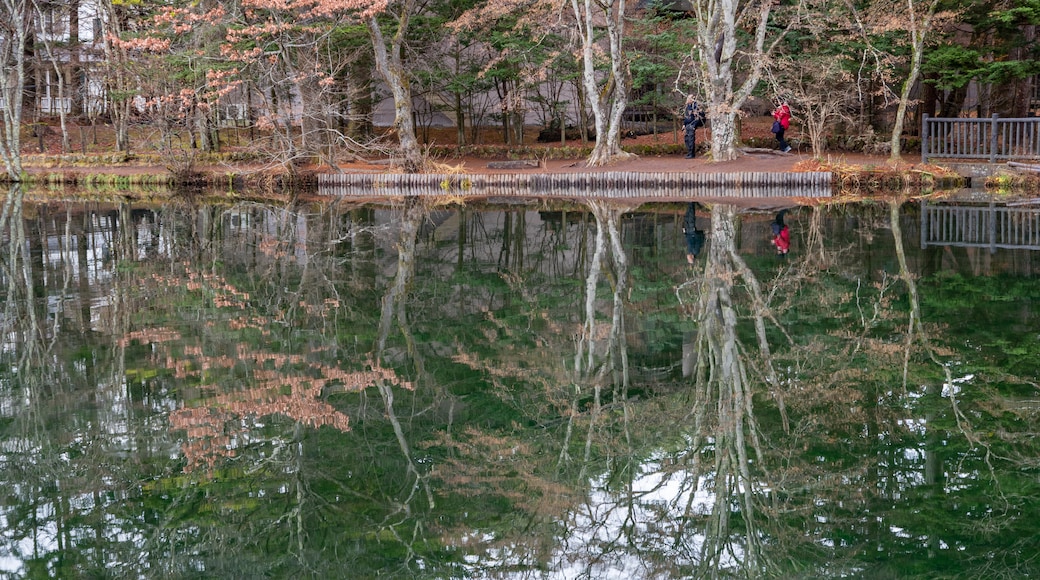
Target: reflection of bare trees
(814, 249)
(602, 356)
(395, 300)
(19, 316)
(724, 425)
(394, 310)
(64, 471)
(916, 333)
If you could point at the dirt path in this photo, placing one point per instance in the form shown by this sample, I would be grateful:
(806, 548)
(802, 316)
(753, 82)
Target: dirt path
(750, 162)
(755, 161)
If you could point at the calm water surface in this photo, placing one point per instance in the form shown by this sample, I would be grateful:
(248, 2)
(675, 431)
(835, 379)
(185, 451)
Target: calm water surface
(407, 390)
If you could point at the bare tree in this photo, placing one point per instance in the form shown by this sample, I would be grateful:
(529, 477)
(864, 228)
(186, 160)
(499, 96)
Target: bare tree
(918, 22)
(918, 18)
(44, 13)
(823, 91)
(15, 28)
(728, 71)
(390, 64)
(608, 97)
(119, 85)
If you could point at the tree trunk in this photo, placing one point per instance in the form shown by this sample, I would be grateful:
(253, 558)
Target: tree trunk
(608, 102)
(723, 385)
(202, 124)
(314, 130)
(717, 32)
(1022, 88)
(74, 72)
(929, 96)
(12, 82)
(460, 120)
(917, 38)
(118, 86)
(391, 67)
(59, 73)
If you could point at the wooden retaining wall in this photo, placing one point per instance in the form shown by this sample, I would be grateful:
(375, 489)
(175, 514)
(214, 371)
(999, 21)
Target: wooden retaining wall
(606, 185)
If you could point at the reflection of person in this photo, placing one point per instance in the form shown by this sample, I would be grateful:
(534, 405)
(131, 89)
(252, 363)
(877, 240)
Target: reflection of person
(693, 117)
(694, 237)
(782, 114)
(781, 234)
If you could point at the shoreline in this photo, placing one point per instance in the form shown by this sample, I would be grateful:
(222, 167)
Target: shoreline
(850, 171)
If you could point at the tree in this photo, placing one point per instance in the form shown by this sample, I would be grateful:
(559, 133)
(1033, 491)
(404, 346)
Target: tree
(920, 17)
(168, 73)
(894, 30)
(46, 13)
(298, 68)
(119, 84)
(823, 89)
(730, 63)
(389, 60)
(526, 61)
(15, 30)
(505, 45)
(656, 51)
(1000, 54)
(290, 58)
(608, 97)
(449, 75)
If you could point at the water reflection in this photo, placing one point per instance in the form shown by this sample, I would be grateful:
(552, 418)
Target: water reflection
(989, 226)
(726, 457)
(394, 310)
(602, 353)
(186, 390)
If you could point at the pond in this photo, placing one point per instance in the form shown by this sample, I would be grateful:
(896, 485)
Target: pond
(536, 389)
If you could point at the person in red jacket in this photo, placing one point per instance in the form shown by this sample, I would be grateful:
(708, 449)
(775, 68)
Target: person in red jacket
(781, 234)
(782, 114)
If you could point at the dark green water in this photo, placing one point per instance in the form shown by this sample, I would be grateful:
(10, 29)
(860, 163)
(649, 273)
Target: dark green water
(399, 391)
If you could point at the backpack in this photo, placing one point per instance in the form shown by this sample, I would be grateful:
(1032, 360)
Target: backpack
(700, 119)
(696, 121)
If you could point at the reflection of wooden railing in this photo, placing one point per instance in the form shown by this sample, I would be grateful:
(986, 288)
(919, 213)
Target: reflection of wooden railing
(605, 185)
(980, 226)
(991, 140)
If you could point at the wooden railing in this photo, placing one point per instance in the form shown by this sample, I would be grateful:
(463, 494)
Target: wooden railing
(990, 140)
(980, 226)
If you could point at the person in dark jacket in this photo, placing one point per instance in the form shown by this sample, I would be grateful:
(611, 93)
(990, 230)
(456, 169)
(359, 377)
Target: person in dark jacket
(693, 117)
(694, 237)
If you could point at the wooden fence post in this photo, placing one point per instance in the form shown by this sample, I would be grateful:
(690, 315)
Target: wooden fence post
(993, 139)
(992, 228)
(924, 138)
(924, 220)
